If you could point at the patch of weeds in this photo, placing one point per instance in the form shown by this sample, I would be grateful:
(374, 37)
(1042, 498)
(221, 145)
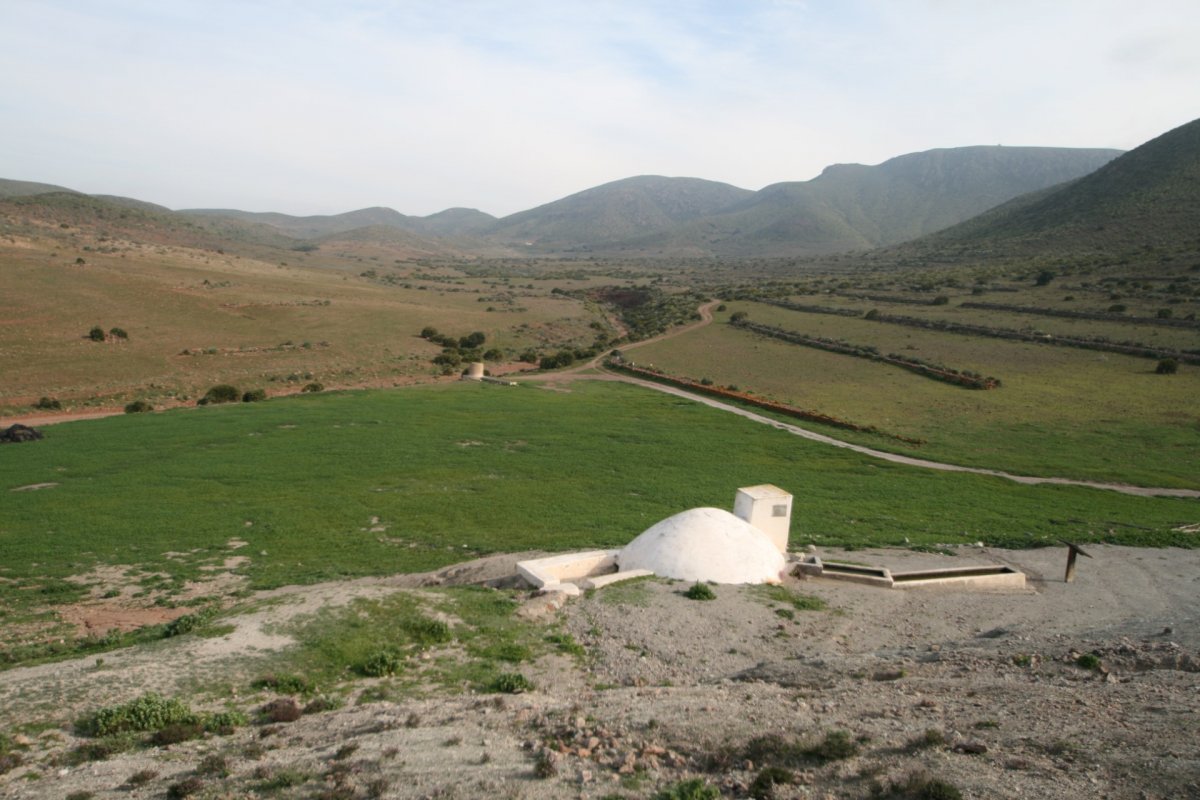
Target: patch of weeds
(932, 737)
(774, 593)
(10, 761)
(377, 788)
(1022, 660)
(345, 751)
(775, 750)
(284, 683)
(764, 783)
(633, 592)
(566, 644)
(102, 748)
(510, 683)
(512, 652)
(700, 591)
(82, 794)
(184, 788)
(694, 789)
(453, 741)
(189, 622)
(543, 765)
(919, 786)
(836, 745)
(282, 779)
(1088, 661)
(322, 704)
(986, 724)
(141, 778)
(224, 723)
(213, 765)
(786, 613)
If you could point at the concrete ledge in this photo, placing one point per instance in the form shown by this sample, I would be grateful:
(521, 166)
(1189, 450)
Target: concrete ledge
(542, 572)
(974, 578)
(600, 581)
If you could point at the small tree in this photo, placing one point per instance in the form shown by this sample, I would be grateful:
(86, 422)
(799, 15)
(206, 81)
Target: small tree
(1044, 277)
(428, 332)
(138, 407)
(96, 334)
(1167, 366)
(119, 333)
(738, 316)
(221, 393)
(48, 404)
(254, 396)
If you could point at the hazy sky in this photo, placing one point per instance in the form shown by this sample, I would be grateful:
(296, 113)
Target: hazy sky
(318, 106)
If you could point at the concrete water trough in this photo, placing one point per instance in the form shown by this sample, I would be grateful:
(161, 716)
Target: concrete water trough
(987, 576)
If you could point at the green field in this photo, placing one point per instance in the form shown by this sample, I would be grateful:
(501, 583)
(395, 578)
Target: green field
(1061, 411)
(446, 473)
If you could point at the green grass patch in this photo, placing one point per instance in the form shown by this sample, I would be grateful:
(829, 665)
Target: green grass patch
(773, 593)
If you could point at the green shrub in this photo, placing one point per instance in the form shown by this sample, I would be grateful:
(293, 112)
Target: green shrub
(224, 722)
(254, 396)
(1117, 308)
(138, 407)
(48, 404)
(941, 300)
(427, 631)
(313, 387)
(382, 663)
(214, 765)
(1088, 661)
(284, 684)
(221, 393)
(1167, 366)
(150, 712)
(510, 683)
(96, 334)
(82, 794)
(694, 789)
(428, 332)
(700, 591)
(836, 745)
(118, 333)
(920, 786)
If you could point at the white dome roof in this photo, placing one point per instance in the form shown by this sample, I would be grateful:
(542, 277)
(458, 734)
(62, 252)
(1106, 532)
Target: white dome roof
(705, 544)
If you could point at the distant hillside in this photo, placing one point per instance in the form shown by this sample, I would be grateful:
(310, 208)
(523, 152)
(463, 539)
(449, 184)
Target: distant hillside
(1146, 200)
(11, 188)
(310, 227)
(856, 207)
(455, 222)
(616, 211)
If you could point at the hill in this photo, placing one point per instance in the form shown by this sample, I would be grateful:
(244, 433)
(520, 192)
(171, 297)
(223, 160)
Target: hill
(855, 207)
(615, 212)
(1145, 202)
(11, 188)
(312, 226)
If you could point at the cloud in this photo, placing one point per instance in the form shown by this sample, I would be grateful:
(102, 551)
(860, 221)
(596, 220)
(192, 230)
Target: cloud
(311, 108)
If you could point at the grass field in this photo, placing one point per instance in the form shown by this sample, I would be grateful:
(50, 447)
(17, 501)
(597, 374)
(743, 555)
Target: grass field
(1060, 411)
(360, 483)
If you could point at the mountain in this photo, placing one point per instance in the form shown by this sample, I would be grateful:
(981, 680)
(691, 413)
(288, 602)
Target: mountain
(313, 226)
(617, 211)
(1147, 200)
(455, 222)
(856, 207)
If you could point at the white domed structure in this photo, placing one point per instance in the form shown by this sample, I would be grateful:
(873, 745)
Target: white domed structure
(705, 544)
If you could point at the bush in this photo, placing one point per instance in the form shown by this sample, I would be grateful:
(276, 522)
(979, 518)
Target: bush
(428, 332)
(510, 683)
(941, 300)
(1088, 661)
(221, 393)
(138, 407)
(495, 354)
(184, 788)
(1117, 308)
(738, 316)
(254, 396)
(177, 732)
(382, 663)
(284, 684)
(150, 712)
(1167, 366)
(141, 777)
(1044, 277)
(313, 387)
(282, 709)
(763, 786)
(836, 746)
(700, 591)
(118, 333)
(48, 404)
(223, 723)
(96, 334)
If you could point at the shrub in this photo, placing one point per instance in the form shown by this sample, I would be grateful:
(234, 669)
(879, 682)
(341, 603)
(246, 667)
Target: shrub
(941, 300)
(700, 591)
(214, 765)
(920, 786)
(96, 334)
(738, 316)
(382, 663)
(472, 340)
(1167, 366)
(282, 709)
(284, 684)
(1117, 308)
(221, 393)
(1088, 661)
(1044, 277)
(763, 786)
(872, 314)
(836, 746)
(48, 404)
(150, 712)
(428, 332)
(184, 788)
(138, 407)
(321, 704)
(118, 333)
(82, 794)
(254, 396)
(543, 765)
(313, 387)
(224, 722)
(141, 777)
(427, 631)
(694, 789)
(510, 683)
(495, 354)
(932, 737)
(177, 732)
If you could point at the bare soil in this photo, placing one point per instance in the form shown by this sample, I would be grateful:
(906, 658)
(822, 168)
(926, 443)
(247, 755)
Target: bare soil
(982, 691)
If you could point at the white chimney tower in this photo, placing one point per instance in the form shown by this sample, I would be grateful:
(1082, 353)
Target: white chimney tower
(767, 508)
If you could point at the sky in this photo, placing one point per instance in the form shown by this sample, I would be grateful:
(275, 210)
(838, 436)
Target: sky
(320, 107)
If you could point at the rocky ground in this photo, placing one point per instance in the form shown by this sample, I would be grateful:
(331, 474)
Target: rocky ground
(883, 693)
